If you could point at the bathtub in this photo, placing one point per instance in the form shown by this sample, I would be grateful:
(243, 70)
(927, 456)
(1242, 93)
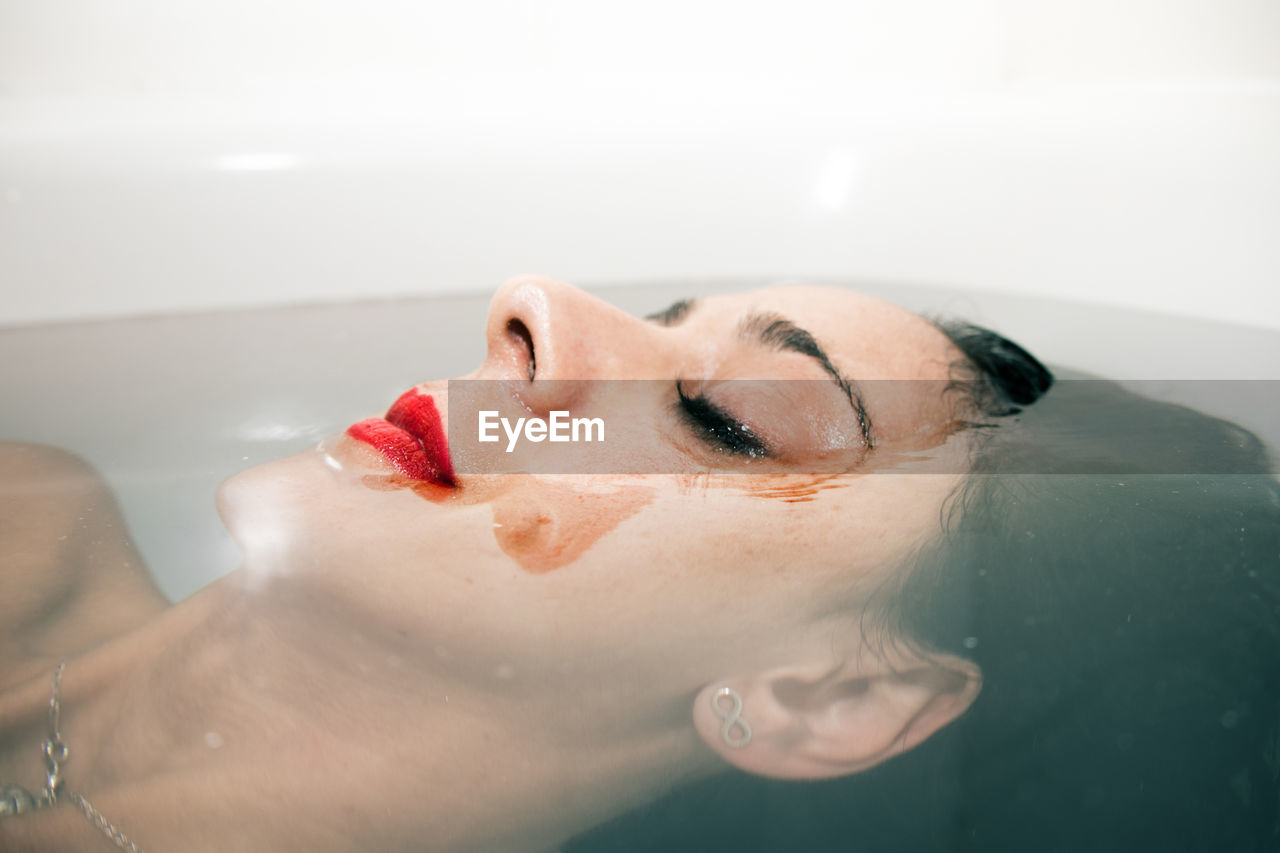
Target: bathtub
(183, 179)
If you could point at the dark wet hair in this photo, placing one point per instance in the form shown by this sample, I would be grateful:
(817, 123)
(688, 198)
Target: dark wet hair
(997, 376)
(1113, 566)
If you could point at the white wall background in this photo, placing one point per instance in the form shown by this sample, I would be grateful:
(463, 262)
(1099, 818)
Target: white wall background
(175, 155)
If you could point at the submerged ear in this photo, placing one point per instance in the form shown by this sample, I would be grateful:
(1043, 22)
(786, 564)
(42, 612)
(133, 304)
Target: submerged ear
(820, 721)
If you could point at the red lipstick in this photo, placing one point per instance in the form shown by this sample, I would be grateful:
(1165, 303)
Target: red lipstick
(411, 437)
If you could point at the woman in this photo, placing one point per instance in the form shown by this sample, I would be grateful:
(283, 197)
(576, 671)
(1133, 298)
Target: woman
(425, 652)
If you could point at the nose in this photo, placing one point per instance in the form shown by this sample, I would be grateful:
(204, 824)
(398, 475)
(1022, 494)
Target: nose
(540, 328)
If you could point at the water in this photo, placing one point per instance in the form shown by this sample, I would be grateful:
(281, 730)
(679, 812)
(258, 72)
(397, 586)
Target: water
(167, 407)
(1123, 609)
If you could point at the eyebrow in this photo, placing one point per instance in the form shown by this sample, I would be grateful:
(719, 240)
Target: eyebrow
(779, 333)
(674, 313)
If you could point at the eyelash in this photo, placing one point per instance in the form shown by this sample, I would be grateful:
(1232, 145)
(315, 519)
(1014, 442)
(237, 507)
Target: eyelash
(717, 428)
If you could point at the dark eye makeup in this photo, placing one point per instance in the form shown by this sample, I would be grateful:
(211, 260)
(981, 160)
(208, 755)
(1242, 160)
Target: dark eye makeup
(716, 427)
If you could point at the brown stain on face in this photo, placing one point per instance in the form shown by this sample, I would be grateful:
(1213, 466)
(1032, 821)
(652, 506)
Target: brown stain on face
(802, 488)
(790, 488)
(546, 523)
(549, 525)
(542, 524)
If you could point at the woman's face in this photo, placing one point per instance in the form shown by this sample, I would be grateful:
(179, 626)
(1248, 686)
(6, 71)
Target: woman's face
(740, 545)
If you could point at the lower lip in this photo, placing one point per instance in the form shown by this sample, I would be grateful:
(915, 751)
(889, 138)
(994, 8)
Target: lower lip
(402, 449)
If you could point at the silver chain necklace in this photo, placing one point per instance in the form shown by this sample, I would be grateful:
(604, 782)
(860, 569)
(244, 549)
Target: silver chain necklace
(15, 800)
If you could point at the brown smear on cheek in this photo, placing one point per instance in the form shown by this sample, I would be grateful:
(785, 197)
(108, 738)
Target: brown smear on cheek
(800, 488)
(541, 524)
(791, 488)
(551, 524)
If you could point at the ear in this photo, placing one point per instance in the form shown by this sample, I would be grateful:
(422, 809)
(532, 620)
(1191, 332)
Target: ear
(821, 721)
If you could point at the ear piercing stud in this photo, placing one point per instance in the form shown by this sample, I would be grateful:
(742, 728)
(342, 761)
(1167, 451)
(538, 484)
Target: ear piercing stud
(736, 732)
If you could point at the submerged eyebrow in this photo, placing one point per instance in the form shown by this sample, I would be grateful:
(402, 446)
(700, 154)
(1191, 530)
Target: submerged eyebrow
(674, 313)
(777, 332)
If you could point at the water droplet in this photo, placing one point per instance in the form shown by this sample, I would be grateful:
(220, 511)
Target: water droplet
(213, 740)
(970, 642)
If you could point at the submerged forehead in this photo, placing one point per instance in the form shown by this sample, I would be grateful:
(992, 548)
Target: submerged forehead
(866, 337)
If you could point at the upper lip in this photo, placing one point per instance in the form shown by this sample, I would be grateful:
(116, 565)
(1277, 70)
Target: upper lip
(416, 413)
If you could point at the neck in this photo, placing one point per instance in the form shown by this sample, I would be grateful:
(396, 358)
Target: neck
(327, 738)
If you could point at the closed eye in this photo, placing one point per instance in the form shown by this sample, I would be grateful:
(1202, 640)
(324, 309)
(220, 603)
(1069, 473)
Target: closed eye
(718, 428)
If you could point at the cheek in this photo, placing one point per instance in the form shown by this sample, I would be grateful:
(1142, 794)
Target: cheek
(550, 524)
(713, 548)
(785, 538)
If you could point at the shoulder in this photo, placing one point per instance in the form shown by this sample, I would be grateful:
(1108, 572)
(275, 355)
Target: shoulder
(70, 576)
(25, 463)
(28, 469)
(56, 517)
(43, 490)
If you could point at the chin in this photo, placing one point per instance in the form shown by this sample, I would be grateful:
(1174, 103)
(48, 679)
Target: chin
(264, 508)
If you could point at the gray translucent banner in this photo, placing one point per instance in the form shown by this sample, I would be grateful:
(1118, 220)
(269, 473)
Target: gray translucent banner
(748, 426)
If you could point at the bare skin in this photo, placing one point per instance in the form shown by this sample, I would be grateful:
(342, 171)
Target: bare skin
(72, 576)
(382, 675)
